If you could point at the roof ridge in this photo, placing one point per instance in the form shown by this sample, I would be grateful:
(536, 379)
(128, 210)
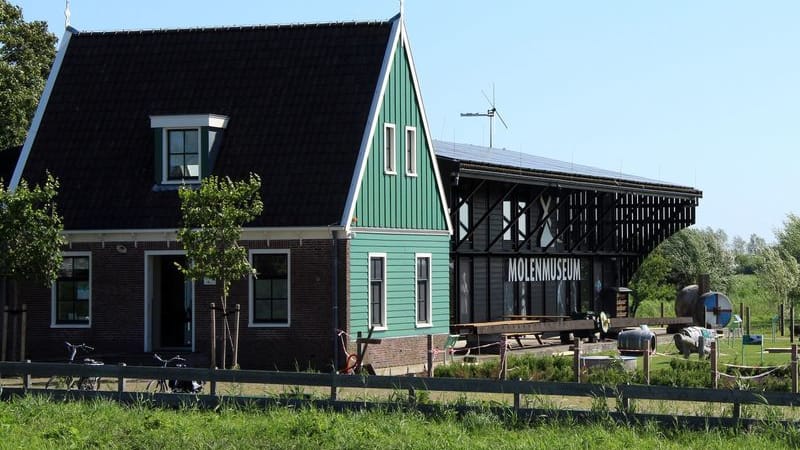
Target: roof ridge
(353, 23)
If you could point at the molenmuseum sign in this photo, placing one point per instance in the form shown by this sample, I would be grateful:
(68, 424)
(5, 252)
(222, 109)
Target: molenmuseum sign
(544, 269)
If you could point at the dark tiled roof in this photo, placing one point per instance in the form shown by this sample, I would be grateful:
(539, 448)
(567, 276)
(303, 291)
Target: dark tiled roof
(298, 98)
(8, 161)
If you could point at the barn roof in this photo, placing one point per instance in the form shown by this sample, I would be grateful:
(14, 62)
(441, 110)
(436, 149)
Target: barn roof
(498, 162)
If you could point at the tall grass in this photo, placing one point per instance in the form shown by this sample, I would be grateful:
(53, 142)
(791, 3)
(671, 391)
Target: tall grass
(36, 422)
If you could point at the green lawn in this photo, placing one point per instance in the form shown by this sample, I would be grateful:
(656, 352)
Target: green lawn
(35, 422)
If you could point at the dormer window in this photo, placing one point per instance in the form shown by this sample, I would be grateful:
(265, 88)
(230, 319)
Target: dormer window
(186, 146)
(183, 155)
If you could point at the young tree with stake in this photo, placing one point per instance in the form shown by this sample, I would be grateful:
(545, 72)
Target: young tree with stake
(213, 216)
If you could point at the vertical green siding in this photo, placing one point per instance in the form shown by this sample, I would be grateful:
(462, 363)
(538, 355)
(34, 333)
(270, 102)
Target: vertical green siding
(400, 250)
(400, 201)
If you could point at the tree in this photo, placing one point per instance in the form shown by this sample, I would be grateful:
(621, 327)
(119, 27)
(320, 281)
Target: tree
(777, 272)
(693, 252)
(30, 236)
(27, 51)
(213, 216)
(649, 282)
(789, 236)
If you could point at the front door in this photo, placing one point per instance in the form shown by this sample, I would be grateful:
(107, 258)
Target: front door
(171, 304)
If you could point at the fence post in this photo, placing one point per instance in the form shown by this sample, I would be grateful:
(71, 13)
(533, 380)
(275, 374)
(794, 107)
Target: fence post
(791, 323)
(121, 381)
(24, 332)
(662, 309)
(747, 320)
(212, 381)
(236, 338)
(213, 337)
(576, 361)
(782, 318)
(714, 373)
(503, 358)
(26, 379)
(794, 368)
(5, 334)
(333, 385)
(430, 355)
(516, 399)
(646, 362)
(412, 396)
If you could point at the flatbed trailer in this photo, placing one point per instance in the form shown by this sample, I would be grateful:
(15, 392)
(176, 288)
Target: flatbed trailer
(536, 325)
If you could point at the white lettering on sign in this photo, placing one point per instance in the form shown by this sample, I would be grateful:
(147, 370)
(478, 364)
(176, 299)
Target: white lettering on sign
(544, 269)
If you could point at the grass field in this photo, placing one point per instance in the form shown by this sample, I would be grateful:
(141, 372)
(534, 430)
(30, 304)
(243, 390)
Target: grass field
(36, 422)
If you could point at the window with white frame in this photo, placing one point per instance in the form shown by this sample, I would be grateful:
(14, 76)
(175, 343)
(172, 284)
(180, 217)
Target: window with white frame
(72, 292)
(389, 153)
(270, 288)
(183, 154)
(423, 289)
(411, 151)
(377, 290)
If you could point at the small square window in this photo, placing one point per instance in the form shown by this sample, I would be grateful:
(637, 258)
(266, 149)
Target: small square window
(183, 155)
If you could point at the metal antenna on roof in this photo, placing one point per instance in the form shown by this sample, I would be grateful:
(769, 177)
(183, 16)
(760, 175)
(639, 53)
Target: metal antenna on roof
(490, 113)
(67, 15)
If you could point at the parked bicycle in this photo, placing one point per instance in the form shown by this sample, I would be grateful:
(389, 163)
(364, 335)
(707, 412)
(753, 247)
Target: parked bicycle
(174, 386)
(70, 382)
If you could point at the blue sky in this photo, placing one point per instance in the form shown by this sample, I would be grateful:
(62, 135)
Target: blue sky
(703, 94)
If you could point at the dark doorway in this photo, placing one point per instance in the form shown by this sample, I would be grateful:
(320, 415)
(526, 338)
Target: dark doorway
(172, 304)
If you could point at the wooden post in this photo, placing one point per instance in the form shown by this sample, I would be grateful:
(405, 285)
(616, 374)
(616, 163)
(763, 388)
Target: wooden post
(781, 318)
(662, 309)
(794, 368)
(26, 379)
(213, 382)
(236, 337)
(430, 355)
(714, 373)
(576, 360)
(121, 382)
(503, 359)
(791, 323)
(646, 362)
(24, 332)
(213, 336)
(5, 334)
(517, 399)
(747, 320)
(334, 390)
(223, 357)
(741, 310)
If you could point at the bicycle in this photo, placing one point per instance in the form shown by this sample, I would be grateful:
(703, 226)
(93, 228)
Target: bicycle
(174, 386)
(81, 383)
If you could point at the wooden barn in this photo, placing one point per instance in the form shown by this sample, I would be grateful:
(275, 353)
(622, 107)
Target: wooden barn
(539, 237)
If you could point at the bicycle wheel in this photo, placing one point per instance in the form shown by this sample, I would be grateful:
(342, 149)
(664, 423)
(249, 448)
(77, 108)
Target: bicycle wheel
(59, 382)
(156, 386)
(89, 384)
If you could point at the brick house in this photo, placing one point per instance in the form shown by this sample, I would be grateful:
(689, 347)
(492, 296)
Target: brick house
(355, 231)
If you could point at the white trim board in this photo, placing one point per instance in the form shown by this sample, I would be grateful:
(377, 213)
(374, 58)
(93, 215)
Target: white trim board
(37, 117)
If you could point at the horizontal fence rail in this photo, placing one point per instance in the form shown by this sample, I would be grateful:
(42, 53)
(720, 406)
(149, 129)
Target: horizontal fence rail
(29, 370)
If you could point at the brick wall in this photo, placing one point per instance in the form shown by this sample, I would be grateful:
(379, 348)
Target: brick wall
(118, 310)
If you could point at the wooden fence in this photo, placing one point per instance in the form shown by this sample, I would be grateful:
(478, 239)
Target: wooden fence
(624, 394)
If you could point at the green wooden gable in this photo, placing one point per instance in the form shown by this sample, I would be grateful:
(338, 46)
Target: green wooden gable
(400, 201)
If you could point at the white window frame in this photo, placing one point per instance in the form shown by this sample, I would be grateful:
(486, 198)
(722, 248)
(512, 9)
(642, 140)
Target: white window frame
(251, 293)
(411, 151)
(384, 304)
(54, 300)
(417, 257)
(165, 156)
(390, 151)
